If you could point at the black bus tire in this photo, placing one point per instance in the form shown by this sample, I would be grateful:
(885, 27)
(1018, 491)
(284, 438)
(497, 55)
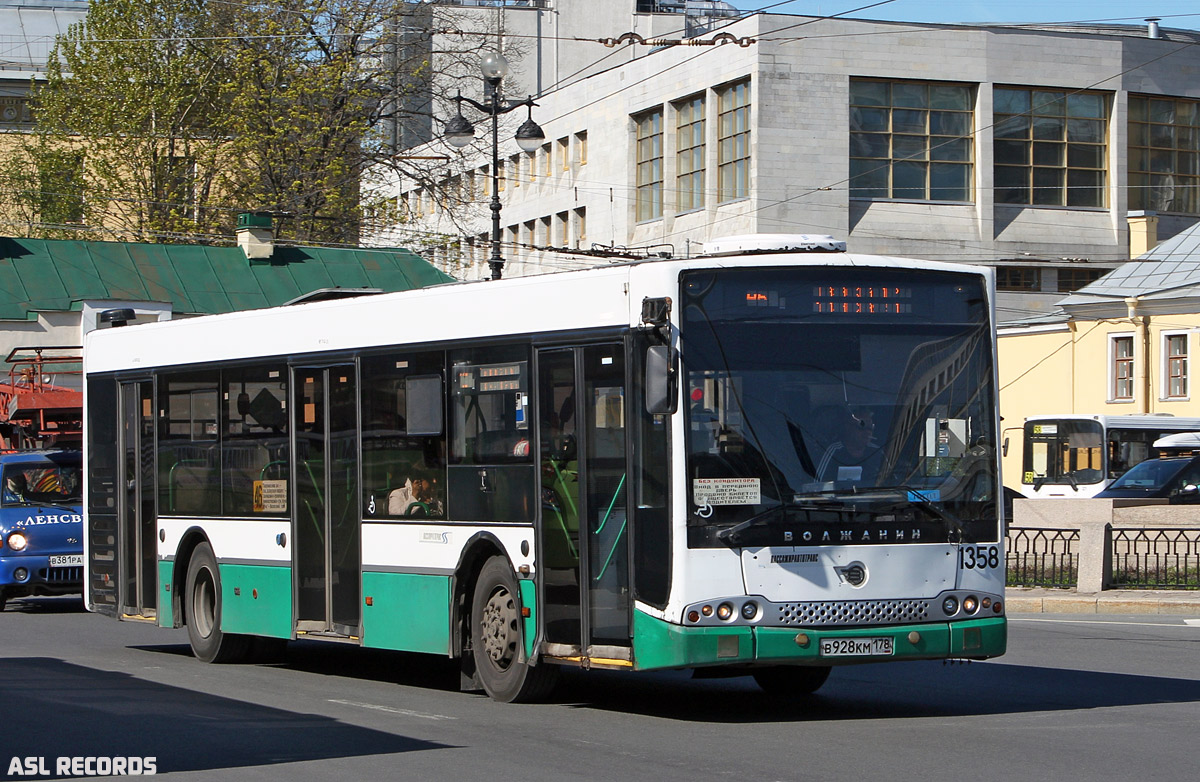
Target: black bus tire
(203, 613)
(791, 680)
(497, 639)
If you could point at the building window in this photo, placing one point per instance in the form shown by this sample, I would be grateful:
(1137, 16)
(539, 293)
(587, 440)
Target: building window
(1050, 147)
(581, 151)
(911, 140)
(1073, 279)
(60, 188)
(733, 142)
(1164, 154)
(649, 164)
(1122, 368)
(580, 226)
(564, 153)
(1018, 278)
(564, 236)
(1177, 365)
(689, 154)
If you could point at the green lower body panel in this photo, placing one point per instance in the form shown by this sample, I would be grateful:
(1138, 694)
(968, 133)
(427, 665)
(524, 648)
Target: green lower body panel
(659, 644)
(166, 606)
(529, 600)
(256, 600)
(407, 612)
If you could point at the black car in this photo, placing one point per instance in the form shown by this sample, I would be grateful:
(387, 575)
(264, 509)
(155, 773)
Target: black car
(1176, 478)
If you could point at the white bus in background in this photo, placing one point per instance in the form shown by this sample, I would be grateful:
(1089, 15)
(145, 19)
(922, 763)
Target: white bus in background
(1080, 455)
(775, 459)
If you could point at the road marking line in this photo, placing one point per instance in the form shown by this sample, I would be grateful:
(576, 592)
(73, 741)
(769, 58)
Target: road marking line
(390, 710)
(1185, 622)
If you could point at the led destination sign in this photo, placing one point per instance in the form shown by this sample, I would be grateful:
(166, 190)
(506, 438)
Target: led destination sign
(832, 299)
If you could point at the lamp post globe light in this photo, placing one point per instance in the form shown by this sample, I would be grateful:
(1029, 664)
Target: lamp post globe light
(460, 132)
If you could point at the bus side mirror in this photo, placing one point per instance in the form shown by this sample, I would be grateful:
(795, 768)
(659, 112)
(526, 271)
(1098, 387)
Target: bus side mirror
(659, 381)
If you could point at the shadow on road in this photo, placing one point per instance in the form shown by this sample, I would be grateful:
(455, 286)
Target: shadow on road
(66, 604)
(911, 689)
(916, 689)
(114, 714)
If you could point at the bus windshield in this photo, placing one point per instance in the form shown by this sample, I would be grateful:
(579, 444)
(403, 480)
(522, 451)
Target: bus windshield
(838, 405)
(1067, 452)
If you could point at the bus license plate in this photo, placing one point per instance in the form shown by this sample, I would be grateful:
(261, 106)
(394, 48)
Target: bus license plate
(856, 647)
(63, 560)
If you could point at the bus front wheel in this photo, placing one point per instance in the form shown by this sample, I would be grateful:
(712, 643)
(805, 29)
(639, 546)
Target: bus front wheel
(203, 595)
(792, 680)
(497, 639)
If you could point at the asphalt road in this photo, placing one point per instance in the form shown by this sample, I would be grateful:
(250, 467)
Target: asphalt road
(1076, 698)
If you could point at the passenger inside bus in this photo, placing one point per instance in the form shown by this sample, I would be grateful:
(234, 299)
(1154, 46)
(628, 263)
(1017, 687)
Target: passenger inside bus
(419, 497)
(856, 455)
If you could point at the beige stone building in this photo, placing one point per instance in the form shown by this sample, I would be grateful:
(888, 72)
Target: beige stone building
(1120, 346)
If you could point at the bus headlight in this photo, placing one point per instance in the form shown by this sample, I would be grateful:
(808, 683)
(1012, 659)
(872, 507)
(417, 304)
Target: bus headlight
(970, 604)
(17, 540)
(724, 611)
(950, 605)
(749, 610)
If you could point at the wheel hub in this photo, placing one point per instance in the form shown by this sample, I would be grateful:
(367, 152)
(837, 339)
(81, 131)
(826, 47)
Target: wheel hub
(499, 622)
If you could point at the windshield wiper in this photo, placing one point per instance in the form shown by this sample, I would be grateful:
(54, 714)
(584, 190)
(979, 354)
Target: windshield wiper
(733, 535)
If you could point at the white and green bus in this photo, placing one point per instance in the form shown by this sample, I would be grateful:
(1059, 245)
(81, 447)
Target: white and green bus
(768, 460)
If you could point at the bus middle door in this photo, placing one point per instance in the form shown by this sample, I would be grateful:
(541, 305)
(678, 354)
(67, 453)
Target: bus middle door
(326, 519)
(584, 557)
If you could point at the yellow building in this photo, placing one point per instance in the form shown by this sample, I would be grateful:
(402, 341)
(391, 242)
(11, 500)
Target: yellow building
(1119, 346)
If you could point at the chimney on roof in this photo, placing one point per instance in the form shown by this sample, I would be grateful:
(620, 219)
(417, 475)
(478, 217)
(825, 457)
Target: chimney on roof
(1152, 29)
(256, 234)
(1143, 232)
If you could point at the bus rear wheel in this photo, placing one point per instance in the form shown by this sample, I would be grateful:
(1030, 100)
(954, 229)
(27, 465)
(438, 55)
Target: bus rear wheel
(792, 680)
(203, 596)
(498, 640)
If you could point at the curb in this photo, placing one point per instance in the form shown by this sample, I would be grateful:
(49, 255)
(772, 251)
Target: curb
(1113, 602)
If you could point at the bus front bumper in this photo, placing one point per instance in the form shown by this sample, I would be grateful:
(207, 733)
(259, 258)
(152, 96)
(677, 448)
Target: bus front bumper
(658, 644)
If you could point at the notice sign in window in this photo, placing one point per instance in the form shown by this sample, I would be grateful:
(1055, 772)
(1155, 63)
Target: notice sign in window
(726, 491)
(270, 496)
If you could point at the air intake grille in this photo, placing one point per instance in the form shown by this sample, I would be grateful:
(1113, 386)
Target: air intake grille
(853, 612)
(62, 575)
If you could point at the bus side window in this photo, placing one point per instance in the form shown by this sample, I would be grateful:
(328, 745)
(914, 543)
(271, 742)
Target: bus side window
(403, 435)
(491, 472)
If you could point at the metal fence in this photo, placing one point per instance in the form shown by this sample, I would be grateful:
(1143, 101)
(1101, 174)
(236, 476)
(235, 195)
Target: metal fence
(1042, 557)
(1156, 558)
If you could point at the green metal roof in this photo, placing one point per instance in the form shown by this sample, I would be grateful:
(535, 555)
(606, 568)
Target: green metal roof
(57, 275)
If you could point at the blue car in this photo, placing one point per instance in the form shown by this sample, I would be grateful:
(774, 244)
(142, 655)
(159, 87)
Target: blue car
(41, 524)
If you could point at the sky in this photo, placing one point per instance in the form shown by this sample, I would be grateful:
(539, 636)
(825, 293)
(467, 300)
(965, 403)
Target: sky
(1174, 13)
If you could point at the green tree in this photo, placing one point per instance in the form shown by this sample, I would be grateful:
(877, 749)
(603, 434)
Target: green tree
(187, 112)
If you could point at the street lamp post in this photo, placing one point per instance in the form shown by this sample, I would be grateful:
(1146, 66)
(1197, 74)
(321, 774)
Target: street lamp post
(460, 132)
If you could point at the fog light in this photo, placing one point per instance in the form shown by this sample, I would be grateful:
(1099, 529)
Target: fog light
(950, 605)
(706, 610)
(17, 541)
(970, 604)
(724, 611)
(749, 610)
(20, 574)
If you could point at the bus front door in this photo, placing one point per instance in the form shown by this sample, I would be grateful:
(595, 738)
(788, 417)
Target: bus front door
(584, 555)
(325, 519)
(136, 508)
